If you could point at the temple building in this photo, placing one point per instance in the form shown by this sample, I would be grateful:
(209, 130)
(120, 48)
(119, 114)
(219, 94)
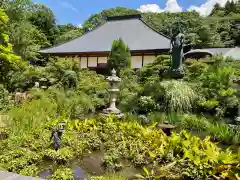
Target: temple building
(93, 47)
(233, 53)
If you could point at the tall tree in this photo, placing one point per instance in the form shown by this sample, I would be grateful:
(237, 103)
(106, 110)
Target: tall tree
(98, 19)
(74, 33)
(216, 9)
(43, 18)
(9, 62)
(230, 7)
(26, 37)
(67, 32)
(120, 56)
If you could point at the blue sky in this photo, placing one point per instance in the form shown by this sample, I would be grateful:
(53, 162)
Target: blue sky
(77, 11)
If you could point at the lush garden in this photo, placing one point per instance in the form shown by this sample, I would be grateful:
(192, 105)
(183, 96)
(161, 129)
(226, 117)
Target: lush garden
(203, 106)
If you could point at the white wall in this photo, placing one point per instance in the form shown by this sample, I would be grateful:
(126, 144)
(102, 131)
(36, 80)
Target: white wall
(83, 62)
(136, 62)
(92, 61)
(102, 59)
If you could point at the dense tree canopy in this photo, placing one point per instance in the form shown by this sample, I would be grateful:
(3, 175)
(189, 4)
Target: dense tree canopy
(67, 32)
(217, 30)
(9, 62)
(32, 26)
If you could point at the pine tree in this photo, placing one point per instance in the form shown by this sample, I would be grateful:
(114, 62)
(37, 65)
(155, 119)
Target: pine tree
(217, 8)
(230, 7)
(120, 56)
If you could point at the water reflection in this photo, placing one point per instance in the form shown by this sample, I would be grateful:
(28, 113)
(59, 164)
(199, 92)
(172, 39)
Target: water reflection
(78, 173)
(46, 173)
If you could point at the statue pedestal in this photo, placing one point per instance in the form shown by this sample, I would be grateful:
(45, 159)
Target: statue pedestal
(174, 73)
(113, 111)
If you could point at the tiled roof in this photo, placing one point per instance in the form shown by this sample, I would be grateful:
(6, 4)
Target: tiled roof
(131, 29)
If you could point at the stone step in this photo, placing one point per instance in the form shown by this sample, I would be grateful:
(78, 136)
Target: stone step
(4, 175)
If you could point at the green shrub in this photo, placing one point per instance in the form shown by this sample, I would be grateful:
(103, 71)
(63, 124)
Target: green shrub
(69, 79)
(4, 98)
(178, 96)
(194, 69)
(194, 123)
(146, 105)
(224, 133)
(17, 160)
(129, 91)
(161, 63)
(64, 64)
(61, 156)
(32, 171)
(62, 174)
(95, 86)
(216, 88)
(108, 177)
(31, 115)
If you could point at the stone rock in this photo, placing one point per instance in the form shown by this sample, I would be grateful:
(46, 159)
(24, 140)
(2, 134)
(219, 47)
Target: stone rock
(237, 120)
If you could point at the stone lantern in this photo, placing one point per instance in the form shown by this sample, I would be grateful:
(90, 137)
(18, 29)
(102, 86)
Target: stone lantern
(113, 90)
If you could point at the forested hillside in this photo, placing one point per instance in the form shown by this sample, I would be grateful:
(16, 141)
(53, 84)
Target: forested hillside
(33, 26)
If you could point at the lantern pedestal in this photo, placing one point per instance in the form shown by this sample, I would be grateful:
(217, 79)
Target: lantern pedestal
(113, 91)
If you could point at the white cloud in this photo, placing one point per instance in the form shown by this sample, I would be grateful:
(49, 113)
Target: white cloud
(206, 8)
(68, 5)
(150, 8)
(171, 6)
(80, 26)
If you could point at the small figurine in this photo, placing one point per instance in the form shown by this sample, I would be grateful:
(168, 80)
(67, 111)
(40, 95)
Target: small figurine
(56, 136)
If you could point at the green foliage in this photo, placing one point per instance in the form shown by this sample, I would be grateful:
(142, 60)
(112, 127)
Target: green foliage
(30, 171)
(31, 116)
(129, 91)
(98, 19)
(26, 39)
(217, 89)
(4, 98)
(69, 79)
(62, 174)
(93, 85)
(225, 133)
(194, 123)
(108, 177)
(149, 175)
(72, 34)
(60, 157)
(194, 69)
(160, 64)
(147, 104)
(120, 56)
(9, 61)
(178, 96)
(181, 155)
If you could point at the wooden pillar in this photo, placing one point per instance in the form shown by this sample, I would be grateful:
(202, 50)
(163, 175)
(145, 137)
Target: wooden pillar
(87, 61)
